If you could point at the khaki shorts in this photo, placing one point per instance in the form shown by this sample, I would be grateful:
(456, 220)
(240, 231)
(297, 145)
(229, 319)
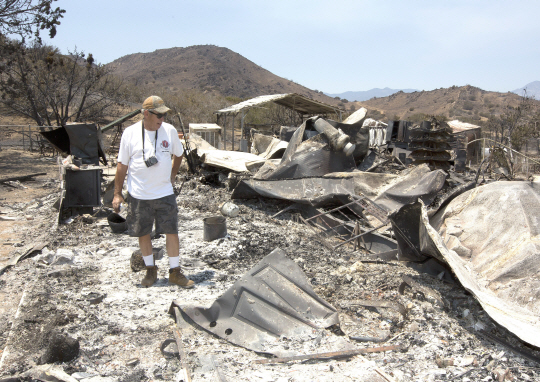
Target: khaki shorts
(143, 213)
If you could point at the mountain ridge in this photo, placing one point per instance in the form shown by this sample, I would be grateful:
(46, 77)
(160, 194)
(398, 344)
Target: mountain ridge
(219, 70)
(532, 89)
(364, 95)
(208, 68)
(467, 103)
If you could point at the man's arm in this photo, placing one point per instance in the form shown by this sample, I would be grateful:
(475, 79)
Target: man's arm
(175, 167)
(121, 171)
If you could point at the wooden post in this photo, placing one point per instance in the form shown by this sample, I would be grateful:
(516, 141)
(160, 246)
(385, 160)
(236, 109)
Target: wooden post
(30, 138)
(22, 132)
(223, 120)
(233, 132)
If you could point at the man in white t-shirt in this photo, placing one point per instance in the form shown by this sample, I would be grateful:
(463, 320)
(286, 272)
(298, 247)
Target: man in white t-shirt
(151, 153)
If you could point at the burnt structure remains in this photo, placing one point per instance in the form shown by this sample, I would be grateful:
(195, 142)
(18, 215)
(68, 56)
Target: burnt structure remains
(335, 240)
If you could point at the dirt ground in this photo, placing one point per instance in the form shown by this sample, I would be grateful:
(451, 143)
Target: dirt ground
(16, 163)
(54, 291)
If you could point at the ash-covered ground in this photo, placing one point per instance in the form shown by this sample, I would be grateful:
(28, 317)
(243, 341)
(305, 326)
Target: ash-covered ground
(81, 286)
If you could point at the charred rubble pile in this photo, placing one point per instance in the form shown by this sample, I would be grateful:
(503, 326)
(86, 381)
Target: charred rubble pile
(319, 256)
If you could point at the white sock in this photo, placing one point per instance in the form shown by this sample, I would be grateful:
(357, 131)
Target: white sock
(149, 260)
(174, 262)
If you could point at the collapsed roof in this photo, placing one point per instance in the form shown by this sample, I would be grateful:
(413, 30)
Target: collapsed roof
(293, 101)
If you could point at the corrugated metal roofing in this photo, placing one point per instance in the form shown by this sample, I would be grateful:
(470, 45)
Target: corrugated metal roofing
(292, 101)
(458, 126)
(205, 126)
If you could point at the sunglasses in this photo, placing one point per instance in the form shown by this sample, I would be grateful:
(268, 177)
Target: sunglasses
(159, 115)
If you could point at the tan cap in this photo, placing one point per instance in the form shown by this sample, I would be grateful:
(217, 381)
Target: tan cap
(156, 104)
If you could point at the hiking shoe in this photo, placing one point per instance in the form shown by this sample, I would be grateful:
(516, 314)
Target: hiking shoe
(151, 276)
(177, 277)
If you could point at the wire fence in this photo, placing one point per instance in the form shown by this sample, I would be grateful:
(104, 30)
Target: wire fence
(26, 138)
(524, 164)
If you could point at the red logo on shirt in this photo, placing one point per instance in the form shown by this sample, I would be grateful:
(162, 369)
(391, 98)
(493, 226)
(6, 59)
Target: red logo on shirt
(164, 144)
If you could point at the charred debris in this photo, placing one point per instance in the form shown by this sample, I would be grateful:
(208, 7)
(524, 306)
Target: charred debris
(405, 252)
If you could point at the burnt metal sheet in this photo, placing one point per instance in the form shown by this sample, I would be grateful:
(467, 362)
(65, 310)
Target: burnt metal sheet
(406, 226)
(388, 191)
(312, 157)
(489, 236)
(316, 190)
(417, 183)
(58, 138)
(273, 299)
(83, 188)
(84, 142)
(80, 140)
(293, 101)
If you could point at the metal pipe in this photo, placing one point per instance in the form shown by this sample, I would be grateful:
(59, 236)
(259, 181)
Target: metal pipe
(335, 354)
(338, 140)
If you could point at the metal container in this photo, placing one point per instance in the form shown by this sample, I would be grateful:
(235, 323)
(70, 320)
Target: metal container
(83, 188)
(117, 223)
(214, 227)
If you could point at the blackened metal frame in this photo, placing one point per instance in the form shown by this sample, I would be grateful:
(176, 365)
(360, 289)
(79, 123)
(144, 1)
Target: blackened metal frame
(348, 227)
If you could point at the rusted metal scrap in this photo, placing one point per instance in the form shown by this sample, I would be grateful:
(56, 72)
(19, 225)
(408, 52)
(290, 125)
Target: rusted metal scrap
(329, 355)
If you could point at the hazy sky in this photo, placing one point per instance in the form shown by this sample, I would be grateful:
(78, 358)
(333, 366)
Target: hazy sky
(333, 46)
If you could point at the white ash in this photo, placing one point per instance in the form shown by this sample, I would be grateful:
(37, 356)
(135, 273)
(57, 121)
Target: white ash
(131, 322)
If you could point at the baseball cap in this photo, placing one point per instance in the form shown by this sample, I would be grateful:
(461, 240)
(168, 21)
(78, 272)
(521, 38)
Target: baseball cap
(155, 103)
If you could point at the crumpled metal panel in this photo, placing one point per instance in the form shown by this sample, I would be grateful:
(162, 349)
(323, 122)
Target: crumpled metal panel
(387, 191)
(490, 237)
(80, 140)
(273, 299)
(84, 143)
(316, 191)
(231, 160)
(312, 157)
(419, 182)
(293, 101)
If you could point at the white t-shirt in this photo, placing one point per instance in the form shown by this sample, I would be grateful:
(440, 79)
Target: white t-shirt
(148, 183)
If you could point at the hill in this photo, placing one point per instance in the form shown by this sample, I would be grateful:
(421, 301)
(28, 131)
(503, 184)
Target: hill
(208, 68)
(533, 89)
(368, 94)
(466, 103)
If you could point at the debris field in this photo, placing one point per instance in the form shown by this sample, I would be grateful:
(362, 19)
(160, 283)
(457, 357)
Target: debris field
(72, 307)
